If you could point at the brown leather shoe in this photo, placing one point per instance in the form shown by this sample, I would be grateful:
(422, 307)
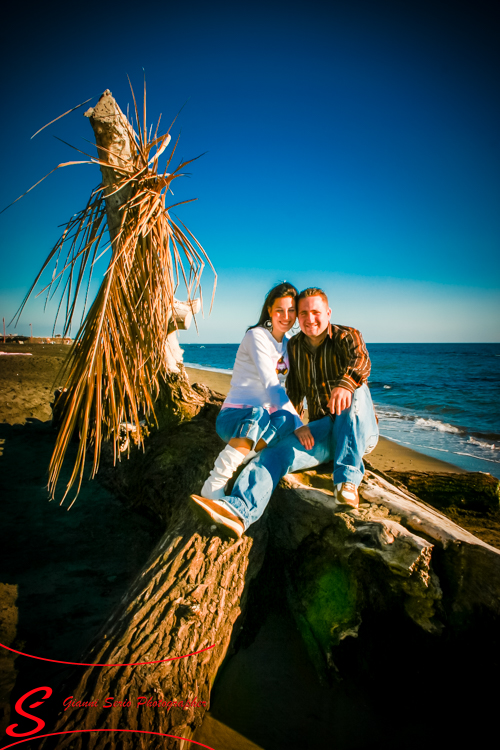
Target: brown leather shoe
(220, 515)
(346, 493)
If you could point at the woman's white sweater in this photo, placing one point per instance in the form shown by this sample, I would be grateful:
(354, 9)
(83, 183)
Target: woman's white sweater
(261, 363)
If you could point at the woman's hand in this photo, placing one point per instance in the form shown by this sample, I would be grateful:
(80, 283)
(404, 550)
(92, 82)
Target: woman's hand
(305, 437)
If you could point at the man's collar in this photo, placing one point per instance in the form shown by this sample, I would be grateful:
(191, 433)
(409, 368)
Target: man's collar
(301, 336)
(312, 347)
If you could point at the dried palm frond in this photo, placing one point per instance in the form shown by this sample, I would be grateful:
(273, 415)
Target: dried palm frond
(118, 359)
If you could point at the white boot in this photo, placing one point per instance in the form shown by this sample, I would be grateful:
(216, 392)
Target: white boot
(249, 456)
(225, 465)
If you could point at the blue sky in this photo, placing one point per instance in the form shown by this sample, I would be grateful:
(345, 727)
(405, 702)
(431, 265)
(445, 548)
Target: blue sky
(351, 145)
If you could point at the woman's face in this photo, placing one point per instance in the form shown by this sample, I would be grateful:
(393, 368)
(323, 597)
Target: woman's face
(283, 314)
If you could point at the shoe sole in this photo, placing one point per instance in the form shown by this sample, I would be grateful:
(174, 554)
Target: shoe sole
(343, 501)
(219, 517)
(351, 505)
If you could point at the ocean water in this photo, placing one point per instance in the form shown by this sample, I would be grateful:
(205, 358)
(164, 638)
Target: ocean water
(440, 399)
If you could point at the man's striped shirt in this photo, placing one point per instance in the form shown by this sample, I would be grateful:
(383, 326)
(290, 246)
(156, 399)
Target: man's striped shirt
(340, 360)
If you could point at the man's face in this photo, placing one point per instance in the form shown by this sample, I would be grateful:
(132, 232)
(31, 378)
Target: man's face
(314, 315)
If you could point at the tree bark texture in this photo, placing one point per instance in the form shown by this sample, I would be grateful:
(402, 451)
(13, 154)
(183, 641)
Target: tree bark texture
(112, 137)
(188, 597)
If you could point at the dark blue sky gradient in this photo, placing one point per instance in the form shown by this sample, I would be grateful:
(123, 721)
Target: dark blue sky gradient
(352, 145)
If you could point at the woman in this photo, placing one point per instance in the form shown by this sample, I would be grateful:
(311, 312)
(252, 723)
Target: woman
(257, 408)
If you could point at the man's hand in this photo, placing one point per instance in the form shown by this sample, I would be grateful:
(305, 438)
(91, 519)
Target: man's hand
(340, 399)
(305, 437)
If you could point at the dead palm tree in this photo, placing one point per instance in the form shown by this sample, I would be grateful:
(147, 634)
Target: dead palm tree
(190, 593)
(123, 351)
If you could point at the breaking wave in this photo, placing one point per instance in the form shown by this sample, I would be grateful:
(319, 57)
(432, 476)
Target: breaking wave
(435, 424)
(483, 444)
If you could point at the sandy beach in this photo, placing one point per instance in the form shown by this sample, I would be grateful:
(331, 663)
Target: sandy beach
(62, 573)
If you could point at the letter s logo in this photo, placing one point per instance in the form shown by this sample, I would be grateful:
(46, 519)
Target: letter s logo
(39, 723)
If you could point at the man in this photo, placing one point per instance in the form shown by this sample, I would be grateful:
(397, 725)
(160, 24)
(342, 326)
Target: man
(329, 366)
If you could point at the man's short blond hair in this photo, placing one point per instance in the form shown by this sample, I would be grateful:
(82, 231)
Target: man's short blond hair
(312, 291)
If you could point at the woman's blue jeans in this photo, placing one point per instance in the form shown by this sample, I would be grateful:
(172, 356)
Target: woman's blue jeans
(254, 423)
(345, 438)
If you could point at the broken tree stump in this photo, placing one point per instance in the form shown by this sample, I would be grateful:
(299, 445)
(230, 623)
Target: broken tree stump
(188, 597)
(115, 145)
(394, 553)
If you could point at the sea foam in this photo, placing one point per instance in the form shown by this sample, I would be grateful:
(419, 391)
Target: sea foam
(435, 424)
(484, 444)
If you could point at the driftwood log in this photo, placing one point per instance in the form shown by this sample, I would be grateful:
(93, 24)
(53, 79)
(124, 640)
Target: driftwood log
(475, 490)
(187, 598)
(394, 546)
(398, 601)
(349, 573)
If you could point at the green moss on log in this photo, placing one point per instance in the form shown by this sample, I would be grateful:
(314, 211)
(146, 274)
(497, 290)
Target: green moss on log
(330, 599)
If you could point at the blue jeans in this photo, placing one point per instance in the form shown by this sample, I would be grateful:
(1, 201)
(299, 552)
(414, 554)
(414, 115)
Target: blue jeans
(345, 439)
(254, 423)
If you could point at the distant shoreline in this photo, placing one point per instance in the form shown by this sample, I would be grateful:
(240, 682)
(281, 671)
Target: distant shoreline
(191, 366)
(31, 381)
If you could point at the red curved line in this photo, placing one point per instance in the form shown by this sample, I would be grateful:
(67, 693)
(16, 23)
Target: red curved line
(76, 731)
(84, 664)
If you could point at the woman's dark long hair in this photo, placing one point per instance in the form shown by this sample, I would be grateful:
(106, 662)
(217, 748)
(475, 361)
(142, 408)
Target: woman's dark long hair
(281, 290)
